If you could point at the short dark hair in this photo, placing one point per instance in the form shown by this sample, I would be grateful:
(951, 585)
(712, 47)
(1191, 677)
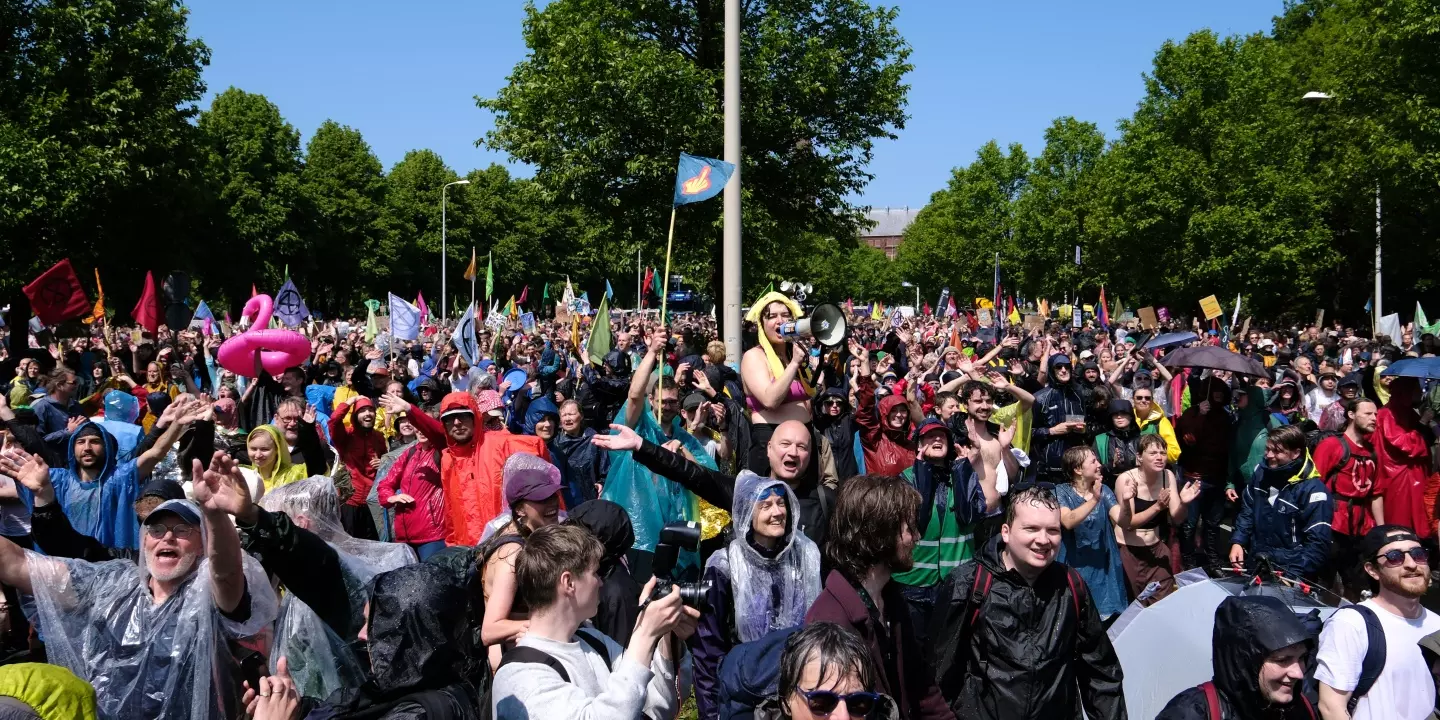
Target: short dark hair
(840, 652)
(1073, 458)
(297, 371)
(1290, 437)
(1152, 440)
(941, 397)
(869, 516)
(1042, 495)
(291, 402)
(549, 553)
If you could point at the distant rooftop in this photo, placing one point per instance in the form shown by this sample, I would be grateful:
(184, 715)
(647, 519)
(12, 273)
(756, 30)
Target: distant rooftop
(889, 222)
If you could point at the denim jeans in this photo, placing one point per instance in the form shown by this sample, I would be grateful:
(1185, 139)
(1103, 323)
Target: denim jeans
(425, 550)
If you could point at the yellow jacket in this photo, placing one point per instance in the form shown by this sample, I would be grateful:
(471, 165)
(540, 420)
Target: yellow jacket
(1157, 424)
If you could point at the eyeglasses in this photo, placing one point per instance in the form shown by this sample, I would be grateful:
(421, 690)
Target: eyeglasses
(182, 531)
(824, 702)
(1396, 558)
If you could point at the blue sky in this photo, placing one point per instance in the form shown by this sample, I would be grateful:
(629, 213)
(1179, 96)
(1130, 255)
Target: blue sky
(406, 73)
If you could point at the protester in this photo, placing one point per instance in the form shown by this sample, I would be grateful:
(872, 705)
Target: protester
(885, 426)
(764, 580)
(1346, 465)
(582, 466)
(1402, 459)
(472, 464)
(826, 672)
(776, 375)
(532, 493)
(1061, 422)
(270, 458)
(1205, 431)
(1404, 689)
(872, 537)
(1285, 510)
(1152, 420)
(563, 672)
(410, 484)
(1118, 447)
(1260, 651)
(620, 594)
(1153, 504)
(58, 407)
(1089, 515)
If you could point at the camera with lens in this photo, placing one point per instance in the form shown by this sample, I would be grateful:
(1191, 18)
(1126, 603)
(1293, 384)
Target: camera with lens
(674, 538)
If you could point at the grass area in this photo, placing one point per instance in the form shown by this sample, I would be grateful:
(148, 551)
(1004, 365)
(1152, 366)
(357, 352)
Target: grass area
(687, 710)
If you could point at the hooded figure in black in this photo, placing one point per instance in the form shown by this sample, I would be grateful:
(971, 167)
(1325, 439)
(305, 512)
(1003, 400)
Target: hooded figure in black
(839, 430)
(420, 650)
(620, 595)
(1247, 631)
(601, 392)
(1054, 404)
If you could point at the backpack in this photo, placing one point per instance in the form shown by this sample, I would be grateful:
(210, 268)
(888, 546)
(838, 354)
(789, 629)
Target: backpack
(1374, 661)
(980, 589)
(525, 654)
(1212, 701)
(750, 673)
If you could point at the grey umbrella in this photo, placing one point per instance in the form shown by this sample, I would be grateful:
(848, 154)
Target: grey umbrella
(1213, 358)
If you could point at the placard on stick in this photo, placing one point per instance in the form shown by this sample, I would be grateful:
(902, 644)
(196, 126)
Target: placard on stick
(1034, 323)
(1211, 307)
(1148, 320)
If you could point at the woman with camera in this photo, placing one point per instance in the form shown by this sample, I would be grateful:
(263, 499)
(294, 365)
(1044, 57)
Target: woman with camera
(764, 580)
(776, 375)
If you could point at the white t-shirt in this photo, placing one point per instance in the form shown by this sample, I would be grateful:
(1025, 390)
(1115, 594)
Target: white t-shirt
(1405, 689)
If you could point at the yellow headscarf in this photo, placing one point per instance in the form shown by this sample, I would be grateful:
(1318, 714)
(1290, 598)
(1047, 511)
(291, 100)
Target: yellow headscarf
(285, 470)
(757, 310)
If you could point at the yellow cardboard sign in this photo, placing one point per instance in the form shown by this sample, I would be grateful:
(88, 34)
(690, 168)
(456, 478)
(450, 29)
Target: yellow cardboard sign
(1211, 307)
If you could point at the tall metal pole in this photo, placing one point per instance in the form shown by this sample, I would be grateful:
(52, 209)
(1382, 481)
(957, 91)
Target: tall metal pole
(1379, 313)
(731, 250)
(443, 188)
(639, 282)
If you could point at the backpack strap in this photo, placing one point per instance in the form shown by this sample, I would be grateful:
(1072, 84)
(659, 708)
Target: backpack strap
(1309, 708)
(1374, 660)
(1077, 589)
(1212, 699)
(978, 590)
(526, 654)
(595, 644)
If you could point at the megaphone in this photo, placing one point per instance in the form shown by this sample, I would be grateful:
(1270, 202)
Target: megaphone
(827, 325)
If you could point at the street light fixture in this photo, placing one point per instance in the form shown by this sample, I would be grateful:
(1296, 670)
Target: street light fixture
(917, 294)
(1317, 96)
(442, 243)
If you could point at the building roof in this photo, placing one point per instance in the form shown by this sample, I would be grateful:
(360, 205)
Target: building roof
(889, 221)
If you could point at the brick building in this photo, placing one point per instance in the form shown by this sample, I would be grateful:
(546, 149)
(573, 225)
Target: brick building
(889, 228)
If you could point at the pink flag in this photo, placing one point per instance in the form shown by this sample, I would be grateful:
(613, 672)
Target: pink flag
(424, 311)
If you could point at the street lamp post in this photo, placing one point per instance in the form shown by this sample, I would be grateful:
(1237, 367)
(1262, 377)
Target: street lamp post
(443, 188)
(1316, 96)
(917, 294)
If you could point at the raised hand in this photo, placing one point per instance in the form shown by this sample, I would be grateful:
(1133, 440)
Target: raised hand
(222, 488)
(1189, 492)
(623, 439)
(394, 404)
(29, 470)
(74, 423)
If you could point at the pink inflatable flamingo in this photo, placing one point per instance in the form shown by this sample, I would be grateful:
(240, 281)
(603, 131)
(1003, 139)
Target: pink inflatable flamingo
(279, 349)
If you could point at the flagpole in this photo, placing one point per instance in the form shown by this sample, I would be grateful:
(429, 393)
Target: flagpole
(664, 303)
(639, 281)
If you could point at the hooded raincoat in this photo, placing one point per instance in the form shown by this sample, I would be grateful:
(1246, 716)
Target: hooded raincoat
(146, 660)
(1285, 513)
(752, 590)
(620, 595)
(582, 465)
(1053, 405)
(50, 691)
(285, 470)
(887, 451)
(652, 501)
(1247, 630)
(1402, 460)
(103, 509)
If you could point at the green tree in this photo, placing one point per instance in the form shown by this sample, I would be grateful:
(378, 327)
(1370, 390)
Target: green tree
(1051, 210)
(953, 241)
(345, 184)
(410, 243)
(96, 140)
(612, 92)
(261, 220)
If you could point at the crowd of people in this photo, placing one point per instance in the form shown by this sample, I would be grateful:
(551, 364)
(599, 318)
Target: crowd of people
(932, 519)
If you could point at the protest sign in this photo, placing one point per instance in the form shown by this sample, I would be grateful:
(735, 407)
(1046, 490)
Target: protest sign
(1148, 319)
(1210, 306)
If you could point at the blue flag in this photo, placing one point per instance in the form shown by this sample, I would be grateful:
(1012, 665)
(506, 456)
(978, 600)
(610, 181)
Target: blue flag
(1369, 304)
(404, 319)
(464, 337)
(288, 306)
(700, 178)
(609, 291)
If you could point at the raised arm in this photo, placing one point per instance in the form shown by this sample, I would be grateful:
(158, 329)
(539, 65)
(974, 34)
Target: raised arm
(185, 410)
(640, 381)
(395, 406)
(221, 492)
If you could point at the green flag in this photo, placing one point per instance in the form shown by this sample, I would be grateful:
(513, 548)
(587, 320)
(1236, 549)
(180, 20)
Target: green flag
(600, 336)
(371, 327)
(490, 276)
(1422, 324)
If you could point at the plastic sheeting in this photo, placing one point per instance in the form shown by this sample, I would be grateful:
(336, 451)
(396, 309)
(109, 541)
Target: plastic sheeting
(1166, 647)
(652, 501)
(770, 593)
(318, 660)
(145, 660)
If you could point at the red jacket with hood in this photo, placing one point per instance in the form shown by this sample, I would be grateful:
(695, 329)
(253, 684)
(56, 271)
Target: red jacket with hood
(887, 451)
(470, 472)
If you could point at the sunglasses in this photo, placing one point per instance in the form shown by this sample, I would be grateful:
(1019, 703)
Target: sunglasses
(1143, 398)
(181, 530)
(769, 492)
(1396, 558)
(824, 702)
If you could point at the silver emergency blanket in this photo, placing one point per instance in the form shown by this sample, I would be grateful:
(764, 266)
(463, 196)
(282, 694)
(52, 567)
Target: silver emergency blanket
(168, 661)
(769, 593)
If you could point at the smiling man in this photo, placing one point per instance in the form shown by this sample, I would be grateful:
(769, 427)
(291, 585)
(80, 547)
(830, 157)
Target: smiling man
(1013, 601)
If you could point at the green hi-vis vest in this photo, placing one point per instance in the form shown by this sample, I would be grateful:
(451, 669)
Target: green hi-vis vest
(946, 542)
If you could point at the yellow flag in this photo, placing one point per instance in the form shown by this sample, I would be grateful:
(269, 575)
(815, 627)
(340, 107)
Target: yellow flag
(1013, 317)
(98, 313)
(470, 273)
(510, 308)
(1044, 308)
(877, 312)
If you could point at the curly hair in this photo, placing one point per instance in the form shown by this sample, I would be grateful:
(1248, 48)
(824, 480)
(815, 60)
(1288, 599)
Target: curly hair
(869, 516)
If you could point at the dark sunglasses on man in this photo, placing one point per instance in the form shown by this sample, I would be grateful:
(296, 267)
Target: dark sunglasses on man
(1395, 558)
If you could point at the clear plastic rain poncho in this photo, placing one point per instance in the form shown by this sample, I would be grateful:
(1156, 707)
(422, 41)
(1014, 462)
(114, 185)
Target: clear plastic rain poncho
(316, 500)
(770, 593)
(318, 660)
(150, 661)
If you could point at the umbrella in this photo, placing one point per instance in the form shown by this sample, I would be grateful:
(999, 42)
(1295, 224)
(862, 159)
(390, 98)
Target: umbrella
(1168, 339)
(1423, 368)
(1213, 358)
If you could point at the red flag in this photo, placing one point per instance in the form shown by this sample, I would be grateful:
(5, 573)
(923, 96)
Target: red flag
(950, 309)
(56, 295)
(523, 294)
(647, 285)
(925, 309)
(147, 308)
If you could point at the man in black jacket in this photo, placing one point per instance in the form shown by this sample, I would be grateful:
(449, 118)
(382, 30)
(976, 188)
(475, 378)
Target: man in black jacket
(1060, 421)
(1017, 635)
(1260, 650)
(791, 454)
(620, 595)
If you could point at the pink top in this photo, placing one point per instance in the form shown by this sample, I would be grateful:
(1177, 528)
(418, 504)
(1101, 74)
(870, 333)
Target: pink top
(797, 394)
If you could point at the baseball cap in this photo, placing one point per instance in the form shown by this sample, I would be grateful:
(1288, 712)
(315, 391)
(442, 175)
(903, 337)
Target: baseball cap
(183, 509)
(692, 401)
(164, 489)
(528, 477)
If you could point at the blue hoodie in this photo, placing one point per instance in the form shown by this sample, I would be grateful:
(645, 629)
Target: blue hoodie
(104, 509)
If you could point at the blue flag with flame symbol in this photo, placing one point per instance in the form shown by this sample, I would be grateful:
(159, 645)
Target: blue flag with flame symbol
(700, 178)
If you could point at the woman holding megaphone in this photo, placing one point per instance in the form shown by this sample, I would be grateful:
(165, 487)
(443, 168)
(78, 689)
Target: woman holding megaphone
(776, 374)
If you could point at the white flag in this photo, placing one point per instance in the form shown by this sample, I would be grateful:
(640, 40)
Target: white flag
(404, 319)
(464, 337)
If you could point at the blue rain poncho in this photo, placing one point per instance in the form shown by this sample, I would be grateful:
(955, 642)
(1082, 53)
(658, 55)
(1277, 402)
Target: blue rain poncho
(103, 509)
(653, 502)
